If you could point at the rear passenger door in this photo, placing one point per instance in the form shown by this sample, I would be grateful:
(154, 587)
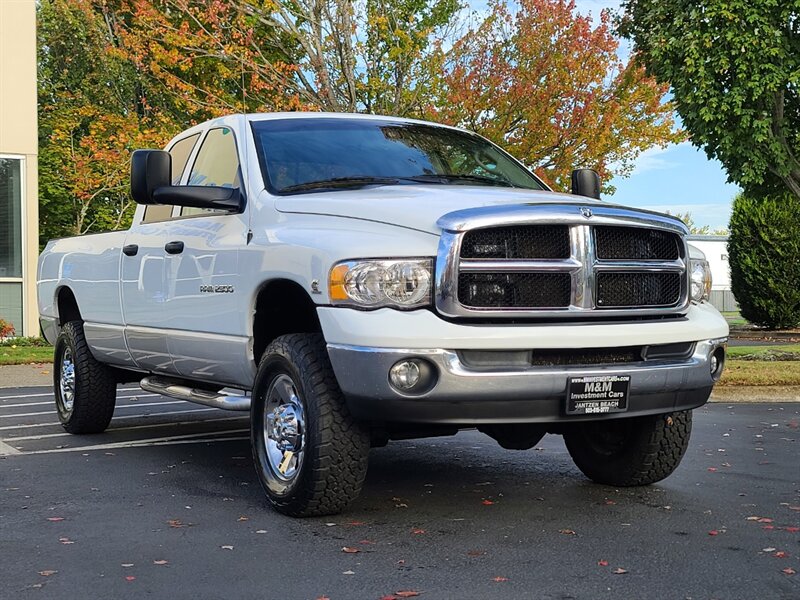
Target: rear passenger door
(143, 274)
(208, 335)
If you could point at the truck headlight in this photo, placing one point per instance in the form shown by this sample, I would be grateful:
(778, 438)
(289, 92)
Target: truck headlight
(396, 283)
(701, 279)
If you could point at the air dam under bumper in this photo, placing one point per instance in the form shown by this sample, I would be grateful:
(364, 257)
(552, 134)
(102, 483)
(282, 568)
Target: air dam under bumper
(464, 396)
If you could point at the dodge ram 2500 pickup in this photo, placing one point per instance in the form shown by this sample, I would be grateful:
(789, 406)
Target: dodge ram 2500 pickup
(353, 279)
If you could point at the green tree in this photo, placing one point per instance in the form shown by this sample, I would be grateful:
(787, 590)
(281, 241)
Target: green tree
(764, 255)
(734, 71)
(694, 228)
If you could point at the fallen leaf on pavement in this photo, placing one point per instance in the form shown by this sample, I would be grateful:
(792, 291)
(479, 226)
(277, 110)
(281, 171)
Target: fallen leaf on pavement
(567, 532)
(47, 573)
(55, 519)
(65, 540)
(176, 523)
(788, 571)
(350, 550)
(160, 562)
(407, 594)
(602, 563)
(356, 523)
(499, 579)
(770, 549)
(487, 502)
(792, 529)
(713, 532)
(764, 520)
(129, 578)
(243, 518)
(474, 553)
(417, 531)
(619, 571)
(780, 554)
(126, 565)
(227, 547)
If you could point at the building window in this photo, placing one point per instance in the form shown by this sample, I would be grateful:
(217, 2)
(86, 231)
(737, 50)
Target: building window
(10, 218)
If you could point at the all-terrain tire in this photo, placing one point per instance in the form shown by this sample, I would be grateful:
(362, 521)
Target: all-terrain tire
(94, 389)
(630, 452)
(335, 447)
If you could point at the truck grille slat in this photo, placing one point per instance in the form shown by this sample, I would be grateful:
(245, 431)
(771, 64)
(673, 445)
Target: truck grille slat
(638, 289)
(578, 262)
(527, 241)
(517, 290)
(627, 243)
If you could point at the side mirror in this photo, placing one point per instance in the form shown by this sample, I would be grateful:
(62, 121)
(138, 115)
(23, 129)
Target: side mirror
(150, 170)
(151, 183)
(586, 182)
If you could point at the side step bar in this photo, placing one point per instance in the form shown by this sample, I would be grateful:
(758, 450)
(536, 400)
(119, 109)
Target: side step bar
(177, 389)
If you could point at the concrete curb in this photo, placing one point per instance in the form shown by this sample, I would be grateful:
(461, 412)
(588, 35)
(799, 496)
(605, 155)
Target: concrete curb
(751, 393)
(26, 375)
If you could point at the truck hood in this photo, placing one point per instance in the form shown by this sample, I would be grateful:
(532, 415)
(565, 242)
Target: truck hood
(417, 206)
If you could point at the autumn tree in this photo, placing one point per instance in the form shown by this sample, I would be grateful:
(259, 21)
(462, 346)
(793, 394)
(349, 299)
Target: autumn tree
(548, 85)
(92, 114)
(734, 71)
(332, 55)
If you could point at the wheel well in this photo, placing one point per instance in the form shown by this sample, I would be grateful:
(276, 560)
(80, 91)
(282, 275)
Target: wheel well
(282, 307)
(67, 306)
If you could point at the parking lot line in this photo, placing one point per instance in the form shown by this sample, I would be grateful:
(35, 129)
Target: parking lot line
(149, 415)
(163, 441)
(45, 402)
(120, 406)
(134, 389)
(6, 450)
(116, 429)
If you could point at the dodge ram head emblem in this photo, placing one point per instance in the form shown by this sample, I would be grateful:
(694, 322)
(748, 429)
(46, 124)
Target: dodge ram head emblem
(586, 212)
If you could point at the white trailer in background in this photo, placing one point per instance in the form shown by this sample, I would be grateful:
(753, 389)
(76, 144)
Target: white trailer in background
(715, 247)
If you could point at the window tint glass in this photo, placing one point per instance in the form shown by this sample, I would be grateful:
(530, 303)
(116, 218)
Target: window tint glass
(217, 163)
(157, 212)
(180, 152)
(297, 152)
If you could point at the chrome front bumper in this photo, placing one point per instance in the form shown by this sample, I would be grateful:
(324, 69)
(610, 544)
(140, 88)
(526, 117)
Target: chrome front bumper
(465, 396)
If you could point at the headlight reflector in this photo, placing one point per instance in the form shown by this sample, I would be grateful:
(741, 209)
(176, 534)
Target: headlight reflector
(701, 279)
(397, 283)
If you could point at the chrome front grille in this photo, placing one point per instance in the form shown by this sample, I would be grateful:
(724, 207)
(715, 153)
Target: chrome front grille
(554, 261)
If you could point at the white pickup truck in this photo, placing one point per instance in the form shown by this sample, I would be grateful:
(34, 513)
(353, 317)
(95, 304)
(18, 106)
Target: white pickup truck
(353, 279)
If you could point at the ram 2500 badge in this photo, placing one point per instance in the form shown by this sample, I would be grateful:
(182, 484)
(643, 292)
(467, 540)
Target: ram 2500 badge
(355, 279)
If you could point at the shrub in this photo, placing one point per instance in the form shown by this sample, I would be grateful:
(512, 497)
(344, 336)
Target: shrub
(6, 329)
(764, 255)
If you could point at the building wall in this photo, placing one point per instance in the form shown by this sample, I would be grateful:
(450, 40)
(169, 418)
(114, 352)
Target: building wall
(19, 214)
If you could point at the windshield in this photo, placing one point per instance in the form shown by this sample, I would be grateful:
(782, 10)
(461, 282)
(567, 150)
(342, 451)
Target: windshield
(310, 154)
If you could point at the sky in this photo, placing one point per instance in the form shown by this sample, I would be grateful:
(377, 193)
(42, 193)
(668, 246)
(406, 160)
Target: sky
(679, 178)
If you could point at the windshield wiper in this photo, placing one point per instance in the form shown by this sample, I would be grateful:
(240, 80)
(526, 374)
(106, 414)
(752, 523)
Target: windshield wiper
(341, 182)
(448, 177)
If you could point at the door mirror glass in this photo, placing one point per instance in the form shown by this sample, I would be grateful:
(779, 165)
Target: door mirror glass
(586, 182)
(150, 170)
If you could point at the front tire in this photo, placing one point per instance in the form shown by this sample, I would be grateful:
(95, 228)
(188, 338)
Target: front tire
(85, 389)
(310, 454)
(630, 452)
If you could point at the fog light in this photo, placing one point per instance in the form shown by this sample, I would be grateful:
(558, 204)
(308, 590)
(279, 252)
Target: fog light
(716, 362)
(405, 374)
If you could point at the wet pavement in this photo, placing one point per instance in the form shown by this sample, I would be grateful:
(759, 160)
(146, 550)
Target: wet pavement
(165, 504)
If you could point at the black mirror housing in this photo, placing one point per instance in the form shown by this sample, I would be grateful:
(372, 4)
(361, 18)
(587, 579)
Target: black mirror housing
(201, 196)
(586, 182)
(150, 170)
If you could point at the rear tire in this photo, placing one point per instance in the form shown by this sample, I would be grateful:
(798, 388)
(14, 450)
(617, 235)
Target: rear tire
(630, 452)
(310, 454)
(85, 389)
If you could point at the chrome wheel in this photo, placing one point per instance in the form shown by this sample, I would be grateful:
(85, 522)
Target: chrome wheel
(284, 428)
(67, 380)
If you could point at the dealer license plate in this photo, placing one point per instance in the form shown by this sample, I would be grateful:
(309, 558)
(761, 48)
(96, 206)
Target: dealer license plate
(598, 394)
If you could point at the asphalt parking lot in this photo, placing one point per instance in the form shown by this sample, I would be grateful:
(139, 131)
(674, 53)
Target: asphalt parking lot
(165, 504)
